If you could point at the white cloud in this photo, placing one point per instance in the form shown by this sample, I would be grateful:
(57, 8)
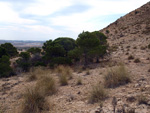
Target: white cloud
(40, 23)
(46, 7)
(10, 16)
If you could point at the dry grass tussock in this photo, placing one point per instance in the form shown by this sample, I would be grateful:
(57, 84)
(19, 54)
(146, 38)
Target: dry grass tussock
(37, 73)
(46, 85)
(117, 76)
(34, 101)
(63, 80)
(64, 70)
(34, 97)
(79, 81)
(97, 94)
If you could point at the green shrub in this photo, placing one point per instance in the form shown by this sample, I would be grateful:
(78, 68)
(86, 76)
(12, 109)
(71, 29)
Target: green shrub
(5, 69)
(97, 94)
(60, 61)
(116, 77)
(10, 49)
(24, 62)
(3, 52)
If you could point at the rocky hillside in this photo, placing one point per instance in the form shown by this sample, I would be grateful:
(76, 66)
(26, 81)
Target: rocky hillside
(134, 25)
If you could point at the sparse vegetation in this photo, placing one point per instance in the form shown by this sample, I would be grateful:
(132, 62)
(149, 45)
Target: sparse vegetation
(143, 48)
(87, 72)
(117, 76)
(130, 57)
(79, 81)
(142, 99)
(63, 79)
(65, 70)
(137, 60)
(97, 94)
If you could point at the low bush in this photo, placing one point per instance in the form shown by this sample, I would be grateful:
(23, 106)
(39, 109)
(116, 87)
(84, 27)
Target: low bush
(97, 94)
(116, 77)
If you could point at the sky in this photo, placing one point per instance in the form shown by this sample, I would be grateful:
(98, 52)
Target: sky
(49, 19)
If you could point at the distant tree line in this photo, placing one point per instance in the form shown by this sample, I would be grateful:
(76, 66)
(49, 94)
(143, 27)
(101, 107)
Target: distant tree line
(87, 47)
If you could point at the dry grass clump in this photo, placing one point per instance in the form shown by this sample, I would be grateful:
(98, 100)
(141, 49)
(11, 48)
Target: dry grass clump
(34, 101)
(65, 70)
(59, 69)
(63, 80)
(68, 71)
(79, 81)
(116, 77)
(31, 77)
(36, 73)
(46, 85)
(142, 99)
(97, 94)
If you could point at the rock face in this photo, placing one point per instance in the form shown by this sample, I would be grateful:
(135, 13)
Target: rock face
(135, 24)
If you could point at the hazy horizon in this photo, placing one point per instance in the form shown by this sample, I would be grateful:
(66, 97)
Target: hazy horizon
(41, 20)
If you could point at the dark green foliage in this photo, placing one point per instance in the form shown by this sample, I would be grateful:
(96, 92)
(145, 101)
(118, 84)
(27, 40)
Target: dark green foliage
(2, 52)
(56, 52)
(67, 43)
(107, 31)
(10, 49)
(75, 54)
(25, 55)
(24, 61)
(60, 60)
(46, 44)
(34, 50)
(37, 60)
(92, 45)
(5, 69)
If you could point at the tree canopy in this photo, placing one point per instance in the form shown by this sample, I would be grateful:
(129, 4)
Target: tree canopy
(10, 49)
(5, 69)
(92, 44)
(34, 50)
